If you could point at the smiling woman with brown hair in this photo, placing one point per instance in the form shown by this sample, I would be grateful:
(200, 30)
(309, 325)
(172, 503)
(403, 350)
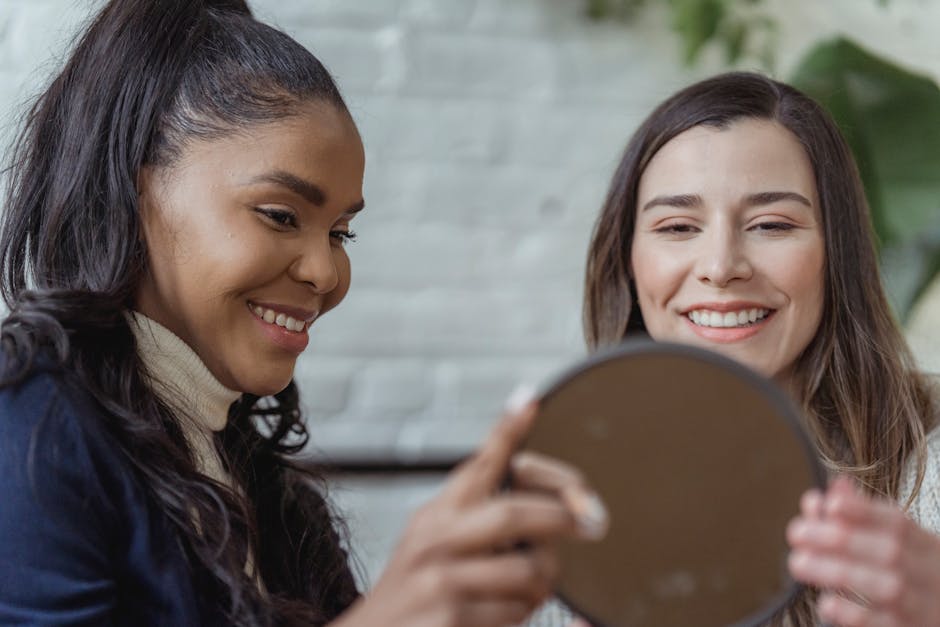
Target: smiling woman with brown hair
(179, 202)
(736, 222)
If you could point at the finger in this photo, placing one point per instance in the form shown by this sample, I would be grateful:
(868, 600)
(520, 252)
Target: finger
(579, 622)
(851, 505)
(824, 571)
(539, 472)
(839, 610)
(492, 613)
(835, 537)
(534, 471)
(811, 504)
(481, 475)
(527, 575)
(509, 519)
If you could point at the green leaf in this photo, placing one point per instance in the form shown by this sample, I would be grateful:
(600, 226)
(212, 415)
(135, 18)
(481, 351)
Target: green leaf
(735, 39)
(891, 119)
(597, 9)
(697, 22)
(613, 9)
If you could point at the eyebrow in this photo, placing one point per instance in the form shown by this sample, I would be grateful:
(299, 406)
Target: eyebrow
(753, 200)
(311, 192)
(768, 198)
(680, 200)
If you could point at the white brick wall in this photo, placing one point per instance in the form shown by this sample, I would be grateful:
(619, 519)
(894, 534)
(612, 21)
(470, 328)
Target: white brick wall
(491, 128)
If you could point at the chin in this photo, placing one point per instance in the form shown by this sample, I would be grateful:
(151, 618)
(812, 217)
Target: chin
(270, 388)
(266, 386)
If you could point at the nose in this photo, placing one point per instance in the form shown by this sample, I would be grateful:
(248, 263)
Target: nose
(315, 265)
(722, 258)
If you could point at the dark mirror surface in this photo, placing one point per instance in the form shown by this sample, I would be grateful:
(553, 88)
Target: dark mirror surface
(701, 463)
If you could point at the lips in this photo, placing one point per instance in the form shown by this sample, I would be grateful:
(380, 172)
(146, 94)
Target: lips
(284, 326)
(727, 322)
(728, 319)
(293, 319)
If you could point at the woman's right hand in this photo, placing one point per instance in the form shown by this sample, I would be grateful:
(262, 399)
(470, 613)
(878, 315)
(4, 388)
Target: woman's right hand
(476, 556)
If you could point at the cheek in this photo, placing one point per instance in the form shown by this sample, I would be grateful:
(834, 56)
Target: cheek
(174, 259)
(803, 273)
(231, 263)
(655, 272)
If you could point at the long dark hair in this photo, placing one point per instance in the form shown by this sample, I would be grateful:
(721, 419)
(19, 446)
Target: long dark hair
(866, 405)
(145, 78)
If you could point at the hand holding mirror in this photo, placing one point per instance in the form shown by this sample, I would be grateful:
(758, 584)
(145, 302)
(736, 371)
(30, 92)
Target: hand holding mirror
(701, 463)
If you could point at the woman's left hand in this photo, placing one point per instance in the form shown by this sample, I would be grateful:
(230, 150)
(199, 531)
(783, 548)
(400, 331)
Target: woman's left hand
(876, 567)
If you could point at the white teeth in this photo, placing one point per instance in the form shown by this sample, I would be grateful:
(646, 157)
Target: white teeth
(706, 318)
(282, 320)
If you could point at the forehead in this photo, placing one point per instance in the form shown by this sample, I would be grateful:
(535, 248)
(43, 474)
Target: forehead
(320, 142)
(748, 156)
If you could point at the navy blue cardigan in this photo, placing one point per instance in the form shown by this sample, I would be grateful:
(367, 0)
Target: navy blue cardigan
(81, 543)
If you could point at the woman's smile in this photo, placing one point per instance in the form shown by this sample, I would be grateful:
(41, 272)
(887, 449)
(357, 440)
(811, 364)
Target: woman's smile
(728, 322)
(280, 326)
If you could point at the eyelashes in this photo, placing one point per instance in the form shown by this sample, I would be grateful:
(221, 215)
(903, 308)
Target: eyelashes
(343, 236)
(675, 229)
(285, 220)
(280, 217)
(774, 226)
(685, 229)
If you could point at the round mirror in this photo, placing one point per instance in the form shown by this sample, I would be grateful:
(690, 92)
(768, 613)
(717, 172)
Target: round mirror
(701, 463)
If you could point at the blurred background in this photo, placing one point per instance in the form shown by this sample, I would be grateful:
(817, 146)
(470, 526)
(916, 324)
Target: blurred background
(491, 129)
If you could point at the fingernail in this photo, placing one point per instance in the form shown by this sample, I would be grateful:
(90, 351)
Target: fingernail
(590, 514)
(521, 396)
(801, 560)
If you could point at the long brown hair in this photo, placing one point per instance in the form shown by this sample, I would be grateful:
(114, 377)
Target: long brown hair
(866, 406)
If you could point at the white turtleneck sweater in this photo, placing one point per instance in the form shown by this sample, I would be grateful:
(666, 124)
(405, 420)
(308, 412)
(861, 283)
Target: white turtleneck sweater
(181, 380)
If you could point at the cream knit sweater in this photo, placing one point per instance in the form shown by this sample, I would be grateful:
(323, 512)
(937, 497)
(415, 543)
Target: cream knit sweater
(925, 510)
(181, 380)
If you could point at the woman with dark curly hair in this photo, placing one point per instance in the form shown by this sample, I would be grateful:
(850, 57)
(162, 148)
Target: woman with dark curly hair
(179, 201)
